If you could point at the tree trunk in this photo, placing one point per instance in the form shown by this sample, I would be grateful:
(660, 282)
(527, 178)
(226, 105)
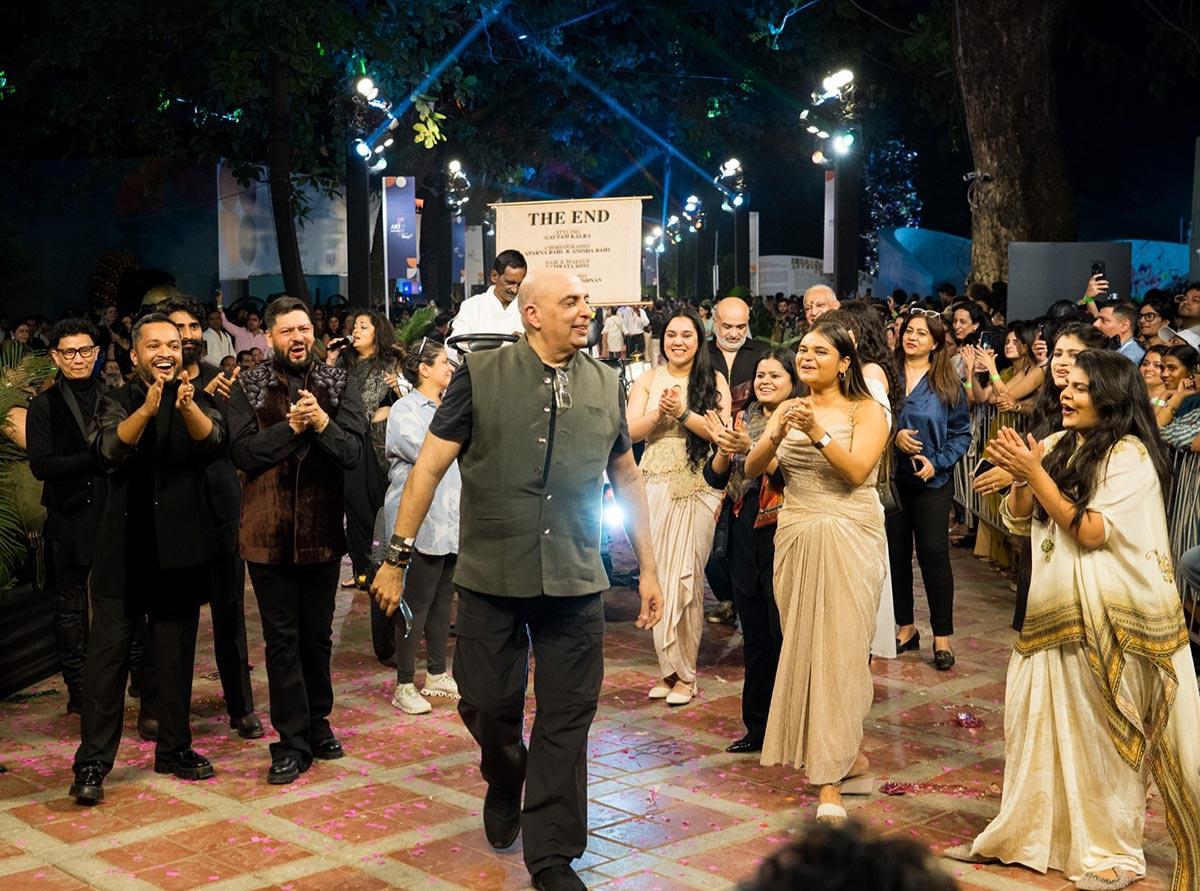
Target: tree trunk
(1002, 52)
(279, 179)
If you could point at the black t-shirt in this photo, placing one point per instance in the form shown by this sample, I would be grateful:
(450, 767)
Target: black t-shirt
(453, 419)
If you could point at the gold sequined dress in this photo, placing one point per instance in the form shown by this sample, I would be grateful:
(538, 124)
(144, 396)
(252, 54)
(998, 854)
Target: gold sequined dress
(1101, 692)
(683, 517)
(830, 563)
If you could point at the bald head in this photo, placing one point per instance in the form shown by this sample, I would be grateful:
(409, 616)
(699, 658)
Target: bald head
(731, 323)
(554, 309)
(818, 300)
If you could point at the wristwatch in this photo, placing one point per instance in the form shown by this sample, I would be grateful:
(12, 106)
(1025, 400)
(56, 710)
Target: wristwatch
(825, 440)
(399, 551)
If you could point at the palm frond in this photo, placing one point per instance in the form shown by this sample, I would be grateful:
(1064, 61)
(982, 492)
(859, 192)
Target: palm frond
(14, 545)
(417, 326)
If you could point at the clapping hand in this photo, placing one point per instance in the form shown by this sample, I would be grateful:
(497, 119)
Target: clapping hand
(153, 399)
(800, 414)
(1021, 458)
(185, 394)
(669, 402)
(729, 442)
(221, 385)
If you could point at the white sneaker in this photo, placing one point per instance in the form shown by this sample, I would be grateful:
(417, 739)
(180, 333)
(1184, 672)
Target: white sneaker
(440, 685)
(408, 700)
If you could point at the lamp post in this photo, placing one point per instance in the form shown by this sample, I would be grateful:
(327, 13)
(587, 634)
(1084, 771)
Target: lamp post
(364, 156)
(731, 180)
(654, 243)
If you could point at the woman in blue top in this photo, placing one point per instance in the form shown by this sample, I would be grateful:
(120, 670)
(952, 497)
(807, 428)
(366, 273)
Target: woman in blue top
(428, 586)
(933, 432)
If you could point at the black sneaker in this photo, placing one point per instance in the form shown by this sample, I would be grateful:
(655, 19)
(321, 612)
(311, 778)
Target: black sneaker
(557, 878)
(88, 788)
(186, 765)
(501, 819)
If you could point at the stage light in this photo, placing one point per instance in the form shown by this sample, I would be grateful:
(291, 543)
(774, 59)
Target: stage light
(363, 150)
(731, 168)
(456, 187)
(657, 231)
(837, 81)
(649, 241)
(843, 142)
(366, 88)
(613, 515)
(739, 200)
(818, 157)
(804, 115)
(455, 166)
(691, 204)
(813, 130)
(660, 248)
(822, 134)
(378, 165)
(387, 142)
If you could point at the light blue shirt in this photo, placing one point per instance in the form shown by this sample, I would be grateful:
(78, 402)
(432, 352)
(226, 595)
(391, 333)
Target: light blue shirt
(1132, 350)
(408, 422)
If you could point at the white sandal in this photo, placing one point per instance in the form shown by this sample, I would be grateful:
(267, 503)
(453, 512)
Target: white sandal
(831, 814)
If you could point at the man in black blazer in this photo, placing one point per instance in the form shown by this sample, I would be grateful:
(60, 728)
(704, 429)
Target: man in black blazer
(61, 431)
(224, 493)
(157, 437)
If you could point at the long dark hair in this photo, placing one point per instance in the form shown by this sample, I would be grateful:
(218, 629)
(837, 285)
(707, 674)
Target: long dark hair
(1077, 464)
(1047, 412)
(702, 385)
(870, 339)
(942, 377)
(385, 337)
(853, 385)
(784, 357)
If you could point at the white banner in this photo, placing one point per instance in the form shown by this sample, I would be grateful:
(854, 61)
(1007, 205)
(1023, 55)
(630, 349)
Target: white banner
(598, 239)
(475, 272)
(246, 231)
(830, 224)
(754, 253)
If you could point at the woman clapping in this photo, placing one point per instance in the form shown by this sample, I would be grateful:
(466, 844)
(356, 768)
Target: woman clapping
(829, 565)
(1100, 684)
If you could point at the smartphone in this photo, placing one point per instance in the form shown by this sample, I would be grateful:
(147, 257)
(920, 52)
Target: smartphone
(987, 340)
(1098, 268)
(982, 467)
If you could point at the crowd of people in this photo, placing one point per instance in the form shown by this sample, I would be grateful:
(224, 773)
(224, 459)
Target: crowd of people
(795, 477)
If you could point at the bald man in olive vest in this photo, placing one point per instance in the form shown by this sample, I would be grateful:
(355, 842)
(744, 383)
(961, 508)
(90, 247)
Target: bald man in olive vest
(534, 427)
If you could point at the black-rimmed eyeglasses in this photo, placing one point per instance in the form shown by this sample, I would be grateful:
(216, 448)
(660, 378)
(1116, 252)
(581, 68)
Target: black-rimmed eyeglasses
(71, 352)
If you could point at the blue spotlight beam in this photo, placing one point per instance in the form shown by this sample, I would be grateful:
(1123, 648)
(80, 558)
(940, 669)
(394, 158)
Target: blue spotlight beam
(666, 201)
(439, 69)
(639, 164)
(616, 107)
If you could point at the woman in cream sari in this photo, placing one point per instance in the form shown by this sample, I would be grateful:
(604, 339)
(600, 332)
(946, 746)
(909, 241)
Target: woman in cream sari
(1101, 691)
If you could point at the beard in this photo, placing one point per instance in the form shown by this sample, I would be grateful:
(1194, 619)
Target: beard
(192, 350)
(287, 363)
(732, 344)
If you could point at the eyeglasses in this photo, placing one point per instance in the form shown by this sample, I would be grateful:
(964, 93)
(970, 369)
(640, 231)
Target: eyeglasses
(927, 313)
(562, 398)
(83, 352)
(1148, 316)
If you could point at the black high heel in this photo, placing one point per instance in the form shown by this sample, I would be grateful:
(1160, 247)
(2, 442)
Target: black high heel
(943, 660)
(913, 643)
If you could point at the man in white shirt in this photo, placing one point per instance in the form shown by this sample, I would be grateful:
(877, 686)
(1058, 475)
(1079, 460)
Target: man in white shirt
(633, 322)
(495, 311)
(217, 341)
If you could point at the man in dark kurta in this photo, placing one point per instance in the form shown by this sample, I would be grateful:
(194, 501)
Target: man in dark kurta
(157, 436)
(534, 426)
(295, 425)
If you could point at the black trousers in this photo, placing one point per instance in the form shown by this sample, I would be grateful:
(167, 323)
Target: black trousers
(229, 633)
(170, 646)
(296, 606)
(924, 514)
(751, 558)
(429, 593)
(1024, 554)
(491, 665)
(364, 490)
(71, 622)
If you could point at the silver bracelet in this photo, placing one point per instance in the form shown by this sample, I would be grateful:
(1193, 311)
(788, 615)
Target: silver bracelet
(1020, 484)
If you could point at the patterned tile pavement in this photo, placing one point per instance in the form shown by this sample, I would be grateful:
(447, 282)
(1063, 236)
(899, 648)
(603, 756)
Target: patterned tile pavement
(669, 809)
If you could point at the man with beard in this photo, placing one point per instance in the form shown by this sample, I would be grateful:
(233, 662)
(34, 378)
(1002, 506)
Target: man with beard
(157, 436)
(225, 504)
(296, 426)
(61, 433)
(734, 354)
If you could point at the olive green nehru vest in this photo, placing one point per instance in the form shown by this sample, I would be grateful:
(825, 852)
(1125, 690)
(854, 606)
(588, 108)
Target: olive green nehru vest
(532, 495)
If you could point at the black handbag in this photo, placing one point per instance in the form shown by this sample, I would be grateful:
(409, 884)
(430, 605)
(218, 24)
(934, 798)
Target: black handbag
(889, 494)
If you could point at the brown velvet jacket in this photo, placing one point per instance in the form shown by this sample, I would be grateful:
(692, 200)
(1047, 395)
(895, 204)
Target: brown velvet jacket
(292, 484)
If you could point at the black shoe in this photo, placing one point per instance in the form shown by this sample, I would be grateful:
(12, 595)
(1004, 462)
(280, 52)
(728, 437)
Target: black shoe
(502, 821)
(247, 726)
(186, 765)
(284, 770)
(745, 745)
(147, 727)
(328, 749)
(88, 787)
(558, 878)
(943, 660)
(913, 643)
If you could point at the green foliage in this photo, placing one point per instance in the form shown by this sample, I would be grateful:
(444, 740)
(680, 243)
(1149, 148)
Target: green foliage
(417, 325)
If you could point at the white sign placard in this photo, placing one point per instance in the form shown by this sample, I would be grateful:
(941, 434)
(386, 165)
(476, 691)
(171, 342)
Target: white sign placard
(598, 239)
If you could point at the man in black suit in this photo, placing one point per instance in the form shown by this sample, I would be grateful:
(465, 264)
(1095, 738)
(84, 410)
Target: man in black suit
(224, 493)
(61, 431)
(157, 437)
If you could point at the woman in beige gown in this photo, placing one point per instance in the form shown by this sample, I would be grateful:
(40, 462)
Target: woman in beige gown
(667, 408)
(830, 562)
(1101, 692)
